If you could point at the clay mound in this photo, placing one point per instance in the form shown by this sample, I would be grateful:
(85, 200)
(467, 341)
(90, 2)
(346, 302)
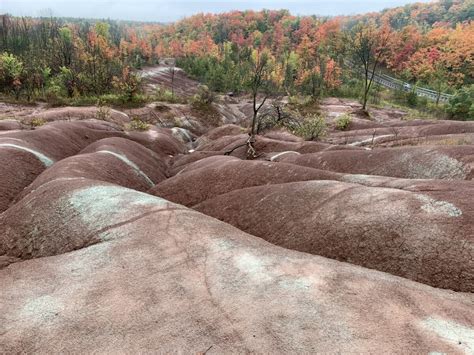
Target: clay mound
(27, 153)
(161, 77)
(10, 125)
(417, 122)
(224, 130)
(102, 166)
(207, 163)
(151, 163)
(114, 160)
(215, 176)
(159, 141)
(221, 143)
(96, 124)
(18, 169)
(446, 127)
(219, 132)
(179, 162)
(404, 233)
(283, 136)
(236, 146)
(402, 132)
(77, 113)
(442, 162)
(360, 123)
(455, 192)
(68, 212)
(61, 139)
(163, 279)
(446, 139)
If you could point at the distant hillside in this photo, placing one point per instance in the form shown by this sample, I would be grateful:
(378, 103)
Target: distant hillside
(430, 44)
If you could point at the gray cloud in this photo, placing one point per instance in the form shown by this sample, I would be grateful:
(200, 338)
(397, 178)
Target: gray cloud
(169, 10)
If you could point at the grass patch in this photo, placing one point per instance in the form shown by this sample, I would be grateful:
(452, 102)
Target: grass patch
(138, 125)
(37, 122)
(343, 122)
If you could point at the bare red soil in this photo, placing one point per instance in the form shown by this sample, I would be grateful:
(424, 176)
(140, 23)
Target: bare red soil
(170, 241)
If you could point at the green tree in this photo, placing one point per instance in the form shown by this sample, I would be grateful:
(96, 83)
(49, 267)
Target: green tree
(11, 70)
(461, 106)
(366, 45)
(259, 81)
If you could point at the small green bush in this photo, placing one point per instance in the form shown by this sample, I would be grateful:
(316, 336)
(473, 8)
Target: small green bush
(83, 101)
(138, 125)
(312, 128)
(422, 102)
(103, 112)
(165, 95)
(412, 99)
(53, 95)
(204, 96)
(351, 89)
(461, 106)
(37, 122)
(342, 122)
(299, 101)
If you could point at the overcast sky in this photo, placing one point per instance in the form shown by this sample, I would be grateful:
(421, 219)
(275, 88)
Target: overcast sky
(171, 10)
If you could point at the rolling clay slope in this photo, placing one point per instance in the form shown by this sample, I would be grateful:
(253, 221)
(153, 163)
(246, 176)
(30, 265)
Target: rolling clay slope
(313, 247)
(441, 162)
(139, 274)
(24, 155)
(217, 175)
(170, 78)
(401, 232)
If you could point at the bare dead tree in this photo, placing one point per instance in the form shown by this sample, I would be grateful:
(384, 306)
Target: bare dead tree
(258, 83)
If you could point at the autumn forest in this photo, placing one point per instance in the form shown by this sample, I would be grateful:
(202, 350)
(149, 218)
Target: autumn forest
(430, 45)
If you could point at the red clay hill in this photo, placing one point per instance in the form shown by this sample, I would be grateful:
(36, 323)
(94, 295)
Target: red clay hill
(114, 240)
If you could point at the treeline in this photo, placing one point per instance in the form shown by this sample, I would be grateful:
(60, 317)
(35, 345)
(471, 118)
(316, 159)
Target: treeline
(427, 44)
(52, 58)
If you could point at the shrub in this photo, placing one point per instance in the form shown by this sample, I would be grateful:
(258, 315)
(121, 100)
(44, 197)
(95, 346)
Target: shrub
(423, 102)
(138, 125)
(128, 84)
(37, 122)
(312, 128)
(83, 101)
(351, 88)
(303, 105)
(204, 96)
(299, 101)
(343, 122)
(103, 112)
(461, 106)
(165, 95)
(53, 94)
(412, 99)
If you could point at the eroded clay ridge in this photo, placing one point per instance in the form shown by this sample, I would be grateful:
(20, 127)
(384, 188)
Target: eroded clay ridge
(160, 277)
(27, 153)
(99, 252)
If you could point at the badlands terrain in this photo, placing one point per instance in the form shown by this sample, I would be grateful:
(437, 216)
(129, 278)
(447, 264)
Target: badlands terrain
(169, 239)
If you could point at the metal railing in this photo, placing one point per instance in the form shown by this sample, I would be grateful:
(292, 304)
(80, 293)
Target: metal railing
(397, 84)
